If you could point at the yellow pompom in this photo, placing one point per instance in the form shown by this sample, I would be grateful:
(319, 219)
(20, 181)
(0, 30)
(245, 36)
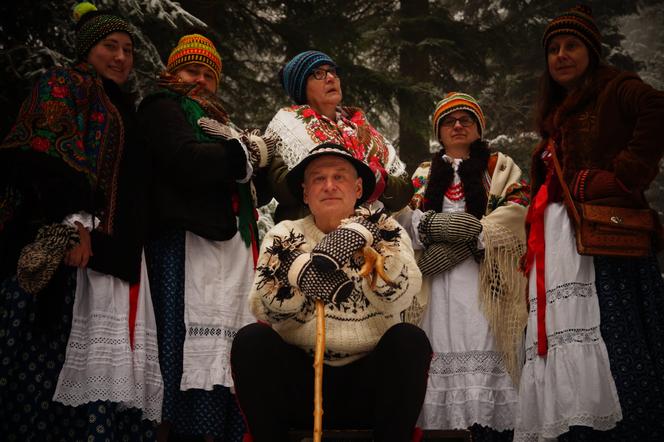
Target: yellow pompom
(81, 9)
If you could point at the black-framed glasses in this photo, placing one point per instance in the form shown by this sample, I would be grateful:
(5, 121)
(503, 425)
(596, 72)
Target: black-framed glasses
(321, 73)
(464, 121)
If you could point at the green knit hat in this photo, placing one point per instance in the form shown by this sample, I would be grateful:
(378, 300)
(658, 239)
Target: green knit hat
(92, 25)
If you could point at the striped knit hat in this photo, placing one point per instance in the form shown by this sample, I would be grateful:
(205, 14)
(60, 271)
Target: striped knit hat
(195, 48)
(294, 74)
(93, 25)
(579, 22)
(455, 101)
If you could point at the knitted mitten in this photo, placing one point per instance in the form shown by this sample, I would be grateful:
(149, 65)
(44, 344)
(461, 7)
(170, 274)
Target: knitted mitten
(261, 149)
(40, 259)
(216, 128)
(441, 257)
(332, 286)
(336, 248)
(590, 184)
(448, 227)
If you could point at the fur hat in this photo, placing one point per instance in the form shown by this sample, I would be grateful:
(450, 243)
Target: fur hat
(577, 21)
(40, 259)
(455, 101)
(92, 25)
(294, 74)
(192, 49)
(295, 176)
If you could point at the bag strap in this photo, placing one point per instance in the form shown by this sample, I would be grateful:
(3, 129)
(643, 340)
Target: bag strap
(569, 202)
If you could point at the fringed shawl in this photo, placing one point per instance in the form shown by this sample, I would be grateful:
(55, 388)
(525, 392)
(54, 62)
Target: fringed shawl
(502, 286)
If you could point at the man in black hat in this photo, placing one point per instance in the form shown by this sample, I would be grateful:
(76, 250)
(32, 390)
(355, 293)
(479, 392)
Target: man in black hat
(376, 364)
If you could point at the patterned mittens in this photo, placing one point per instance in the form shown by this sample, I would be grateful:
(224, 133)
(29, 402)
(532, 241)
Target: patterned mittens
(297, 270)
(40, 259)
(261, 149)
(332, 287)
(590, 184)
(336, 248)
(440, 257)
(448, 227)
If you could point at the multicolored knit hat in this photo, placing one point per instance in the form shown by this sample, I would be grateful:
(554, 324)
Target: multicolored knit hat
(294, 74)
(455, 101)
(577, 21)
(195, 48)
(93, 25)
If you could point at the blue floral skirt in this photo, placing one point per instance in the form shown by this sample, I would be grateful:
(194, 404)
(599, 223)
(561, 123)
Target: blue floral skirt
(33, 338)
(191, 412)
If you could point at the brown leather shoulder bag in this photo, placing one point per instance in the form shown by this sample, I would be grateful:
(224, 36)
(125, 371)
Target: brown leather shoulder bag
(608, 231)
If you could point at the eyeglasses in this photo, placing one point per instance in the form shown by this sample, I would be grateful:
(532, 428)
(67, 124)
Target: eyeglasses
(451, 121)
(321, 74)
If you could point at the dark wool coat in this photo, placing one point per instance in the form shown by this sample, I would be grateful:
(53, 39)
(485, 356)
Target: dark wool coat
(193, 180)
(615, 126)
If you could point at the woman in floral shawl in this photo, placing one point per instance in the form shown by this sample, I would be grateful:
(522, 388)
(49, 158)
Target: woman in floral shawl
(312, 81)
(468, 220)
(68, 168)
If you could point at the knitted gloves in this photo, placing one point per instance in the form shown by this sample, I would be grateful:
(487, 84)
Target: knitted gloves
(448, 227)
(440, 257)
(590, 184)
(40, 259)
(261, 149)
(336, 248)
(297, 270)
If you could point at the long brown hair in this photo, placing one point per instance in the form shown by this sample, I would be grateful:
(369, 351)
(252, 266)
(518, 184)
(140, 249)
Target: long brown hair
(551, 94)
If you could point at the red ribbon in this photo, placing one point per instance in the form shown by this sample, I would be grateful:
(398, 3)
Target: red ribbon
(536, 252)
(133, 305)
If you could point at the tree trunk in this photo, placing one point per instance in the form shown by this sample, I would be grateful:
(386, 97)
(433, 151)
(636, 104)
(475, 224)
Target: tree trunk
(414, 106)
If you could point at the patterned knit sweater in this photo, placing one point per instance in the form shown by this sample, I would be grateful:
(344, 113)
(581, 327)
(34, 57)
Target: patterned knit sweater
(354, 325)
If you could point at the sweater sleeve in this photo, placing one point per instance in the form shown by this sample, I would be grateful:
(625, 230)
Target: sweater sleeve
(272, 299)
(399, 266)
(644, 151)
(177, 151)
(398, 192)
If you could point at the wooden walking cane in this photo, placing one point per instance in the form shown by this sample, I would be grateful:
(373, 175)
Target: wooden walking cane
(318, 370)
(372, 268)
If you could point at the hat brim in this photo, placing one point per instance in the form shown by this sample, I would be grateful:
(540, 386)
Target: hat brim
(295, 177)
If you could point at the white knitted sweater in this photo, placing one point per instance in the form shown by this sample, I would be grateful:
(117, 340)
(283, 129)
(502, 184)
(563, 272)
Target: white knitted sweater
(354, 326)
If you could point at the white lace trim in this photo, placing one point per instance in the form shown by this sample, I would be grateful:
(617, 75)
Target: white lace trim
(209, 345)
(564, 337)
(99, 362)
(488, 362)
(563, 292)
(466, 388)
(555, 429)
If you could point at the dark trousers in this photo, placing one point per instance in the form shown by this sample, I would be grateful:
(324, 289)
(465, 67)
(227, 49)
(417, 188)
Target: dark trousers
(384, 390)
